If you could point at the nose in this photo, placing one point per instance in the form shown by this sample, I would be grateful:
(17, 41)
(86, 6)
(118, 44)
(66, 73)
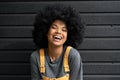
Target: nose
(58, 31)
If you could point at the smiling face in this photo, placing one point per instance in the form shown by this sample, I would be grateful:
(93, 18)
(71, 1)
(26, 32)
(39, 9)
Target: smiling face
(57, 34)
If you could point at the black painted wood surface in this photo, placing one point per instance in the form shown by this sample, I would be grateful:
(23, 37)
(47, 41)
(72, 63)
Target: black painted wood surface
(100, 50)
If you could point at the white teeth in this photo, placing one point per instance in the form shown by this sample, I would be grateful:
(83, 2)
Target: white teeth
(57, 37)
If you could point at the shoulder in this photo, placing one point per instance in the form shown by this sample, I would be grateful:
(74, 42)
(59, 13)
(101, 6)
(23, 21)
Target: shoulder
(34, 54)
(74, 54)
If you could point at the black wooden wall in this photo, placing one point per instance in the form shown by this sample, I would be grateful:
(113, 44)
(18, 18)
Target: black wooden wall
(100, 49)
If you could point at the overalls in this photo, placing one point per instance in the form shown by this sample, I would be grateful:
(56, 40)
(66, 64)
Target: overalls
(66, 65)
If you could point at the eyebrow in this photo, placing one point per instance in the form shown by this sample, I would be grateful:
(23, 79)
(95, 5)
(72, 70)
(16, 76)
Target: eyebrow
(62, 27)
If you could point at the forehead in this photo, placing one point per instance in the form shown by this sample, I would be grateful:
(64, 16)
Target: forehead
(59, 22)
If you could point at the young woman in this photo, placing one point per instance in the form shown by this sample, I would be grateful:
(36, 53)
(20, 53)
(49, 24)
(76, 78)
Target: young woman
(58, 31)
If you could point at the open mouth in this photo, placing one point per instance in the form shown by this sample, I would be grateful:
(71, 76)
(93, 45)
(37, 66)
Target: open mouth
(56, 37)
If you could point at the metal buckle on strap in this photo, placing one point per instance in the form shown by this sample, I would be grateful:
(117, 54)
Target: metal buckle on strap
(67, 75)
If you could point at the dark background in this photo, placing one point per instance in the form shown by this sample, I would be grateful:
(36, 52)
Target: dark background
(100, 49)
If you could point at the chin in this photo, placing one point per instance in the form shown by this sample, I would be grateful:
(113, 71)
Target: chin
(57, 44)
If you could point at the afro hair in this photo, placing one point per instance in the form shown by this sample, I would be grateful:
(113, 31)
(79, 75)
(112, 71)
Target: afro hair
(50, 13)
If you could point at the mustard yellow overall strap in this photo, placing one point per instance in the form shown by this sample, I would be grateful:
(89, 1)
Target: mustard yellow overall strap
(66, 65)
(42, 61)
(65, 77)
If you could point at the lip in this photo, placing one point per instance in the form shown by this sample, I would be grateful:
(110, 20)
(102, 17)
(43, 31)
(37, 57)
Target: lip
(57, 37)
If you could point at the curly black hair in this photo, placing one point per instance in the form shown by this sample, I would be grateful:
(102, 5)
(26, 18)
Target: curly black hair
(48, 14)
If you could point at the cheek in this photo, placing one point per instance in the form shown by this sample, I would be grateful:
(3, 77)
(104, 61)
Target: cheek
(51, 31)
(65, 35)
(49, 35)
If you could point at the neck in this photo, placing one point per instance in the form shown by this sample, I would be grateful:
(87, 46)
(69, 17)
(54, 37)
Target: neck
(54, 52)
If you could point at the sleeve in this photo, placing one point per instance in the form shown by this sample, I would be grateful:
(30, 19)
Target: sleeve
(35, 75)
(76, 67)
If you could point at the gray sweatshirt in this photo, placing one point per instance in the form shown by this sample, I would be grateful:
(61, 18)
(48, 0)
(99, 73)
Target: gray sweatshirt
(55, 69)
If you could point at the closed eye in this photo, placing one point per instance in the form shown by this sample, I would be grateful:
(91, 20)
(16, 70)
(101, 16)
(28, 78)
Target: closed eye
(53, 27)
(64, 29)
